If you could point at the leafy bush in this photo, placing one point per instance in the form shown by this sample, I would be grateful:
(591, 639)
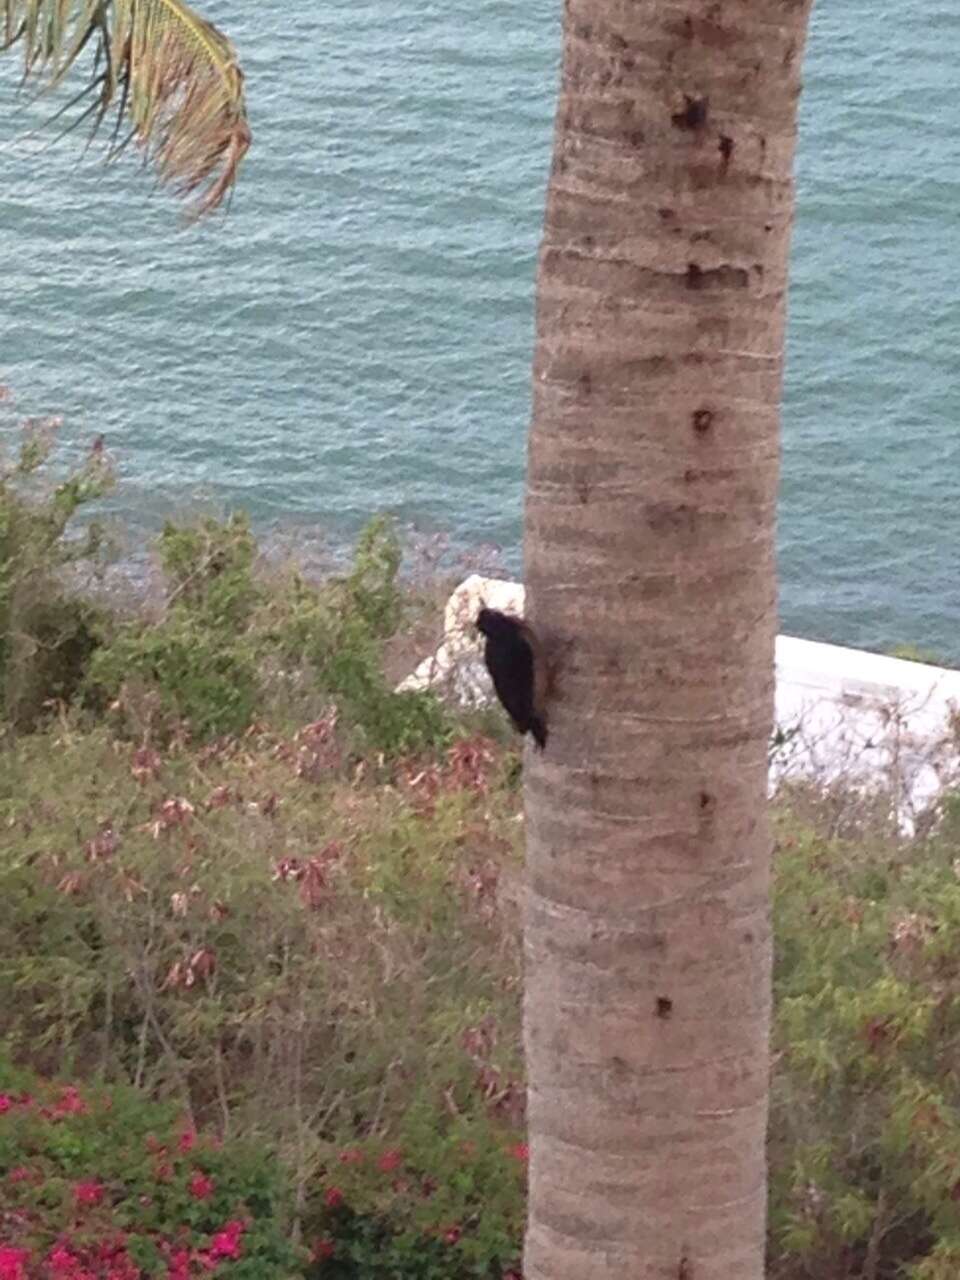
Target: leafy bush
(238, 922)
(247, 921)
(371, 588)
(183, 673)
(102, 1183)
(865, 1131)
(47, 633)
(341, 628)
(443, 1204)
(209, 567)
(229, 639)
(231, 645)
(322, 915)
(199, 663)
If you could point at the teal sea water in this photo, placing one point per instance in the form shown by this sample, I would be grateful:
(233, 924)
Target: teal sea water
(356, 336)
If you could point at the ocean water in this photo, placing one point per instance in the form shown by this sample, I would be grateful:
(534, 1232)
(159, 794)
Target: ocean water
(356, 335)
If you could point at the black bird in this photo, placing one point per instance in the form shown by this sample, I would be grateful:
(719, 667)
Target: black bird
(518, 670)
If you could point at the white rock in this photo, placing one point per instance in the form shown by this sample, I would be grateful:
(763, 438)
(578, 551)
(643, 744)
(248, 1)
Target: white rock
(870, 720)
(456, 670)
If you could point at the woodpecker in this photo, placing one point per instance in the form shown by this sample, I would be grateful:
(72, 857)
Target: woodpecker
(517, 667)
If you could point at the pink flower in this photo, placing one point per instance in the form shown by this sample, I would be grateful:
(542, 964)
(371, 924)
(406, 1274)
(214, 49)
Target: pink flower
(187, 1141)
(62, 1261)
(13, 1263)
(124, 1269)
(452, 1234)
(20, 1174)
(227, 1243)
(86, 1193)
(333, 1198)
(111, 1254)
(322, 1250)
(200, 1186)
(520, 1152)
(70, 1104)
(390, 1160)
(353, 1155)
(6, 1103)
(178, 1267)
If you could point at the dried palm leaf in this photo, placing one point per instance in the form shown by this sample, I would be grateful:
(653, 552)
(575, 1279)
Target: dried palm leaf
(165, 73)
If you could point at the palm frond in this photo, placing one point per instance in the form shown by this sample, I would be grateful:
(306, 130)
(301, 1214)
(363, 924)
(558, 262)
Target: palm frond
(159, 68)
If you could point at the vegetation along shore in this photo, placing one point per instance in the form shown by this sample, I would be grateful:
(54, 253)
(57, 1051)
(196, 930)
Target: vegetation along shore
(260, 939)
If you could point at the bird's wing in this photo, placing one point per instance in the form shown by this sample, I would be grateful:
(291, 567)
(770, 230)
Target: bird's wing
(510, 664)
(540, 669)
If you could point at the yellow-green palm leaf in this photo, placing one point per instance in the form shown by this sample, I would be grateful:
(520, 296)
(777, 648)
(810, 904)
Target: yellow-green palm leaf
(169, 76)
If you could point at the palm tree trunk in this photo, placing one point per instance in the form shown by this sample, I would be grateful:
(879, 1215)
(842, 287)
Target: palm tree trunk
(650, 565)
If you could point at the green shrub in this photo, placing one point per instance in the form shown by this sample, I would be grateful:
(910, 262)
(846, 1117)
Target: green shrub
(199, 664)
(446, 1198)
(209, 569)
(292, 955)
(344, 648)
(230, 641)
(349, 669)
(371, 588)
(246, 921)
(102, 1182)
(865, 1124)
(47, 633)
(199, 675)
(49, 653)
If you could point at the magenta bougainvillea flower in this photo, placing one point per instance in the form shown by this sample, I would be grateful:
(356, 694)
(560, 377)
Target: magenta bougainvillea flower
(88, 1193)
(178, 1265)
(200, 1186)
(13, 1263)
(227, 1243)
(70, 1103)
(62, 1261)
(322, 1250)
(98, 1227)
(77, 1236)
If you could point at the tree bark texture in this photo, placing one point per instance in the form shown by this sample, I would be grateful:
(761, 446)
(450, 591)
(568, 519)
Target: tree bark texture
(650, 567)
